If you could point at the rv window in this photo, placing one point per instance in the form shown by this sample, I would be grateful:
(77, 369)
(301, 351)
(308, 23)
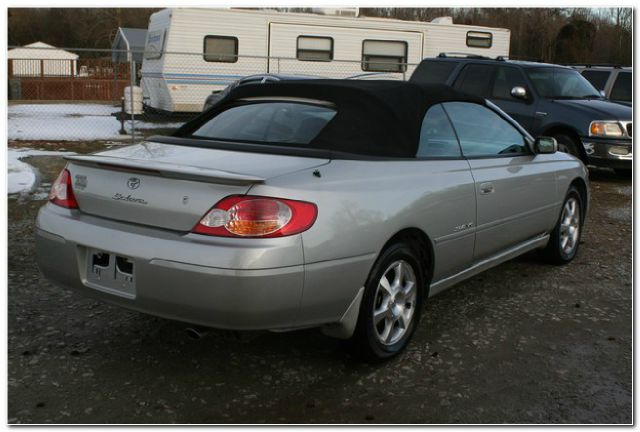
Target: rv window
(314, 48)
(479, 39)
(154, 44)
(221, 49)
(384, 56)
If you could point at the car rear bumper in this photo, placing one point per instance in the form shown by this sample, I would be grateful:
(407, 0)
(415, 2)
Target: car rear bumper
(186, 277)
(616, 154)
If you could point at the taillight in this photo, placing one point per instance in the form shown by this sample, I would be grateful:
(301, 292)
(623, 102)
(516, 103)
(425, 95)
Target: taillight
(62, 192)
(255, 216)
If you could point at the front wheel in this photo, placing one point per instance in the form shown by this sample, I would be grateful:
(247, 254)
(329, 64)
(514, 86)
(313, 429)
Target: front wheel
(391, 305)
(566, 144)
(565, 237)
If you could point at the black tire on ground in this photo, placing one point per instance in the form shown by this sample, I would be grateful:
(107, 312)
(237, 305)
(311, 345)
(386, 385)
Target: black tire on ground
(567, 144)
(555, 252)
(366, 341)
(624, 172)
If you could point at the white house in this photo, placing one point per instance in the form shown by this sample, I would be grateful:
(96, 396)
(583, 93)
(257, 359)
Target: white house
(41, 59)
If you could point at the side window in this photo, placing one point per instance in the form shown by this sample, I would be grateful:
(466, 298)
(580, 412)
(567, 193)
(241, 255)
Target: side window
(433, 72)
(597, 78)
(314, 48)
(479, 39)
(437, 138)
(482, 132)
(384, 56)
(506, 79)
(475, 79)
(621, 90)
(223, 49)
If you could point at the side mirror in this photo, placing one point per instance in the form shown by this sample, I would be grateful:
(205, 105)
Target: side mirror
(545, 145)
(519, 92)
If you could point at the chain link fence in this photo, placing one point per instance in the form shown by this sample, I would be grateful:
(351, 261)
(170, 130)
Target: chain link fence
(88, 97)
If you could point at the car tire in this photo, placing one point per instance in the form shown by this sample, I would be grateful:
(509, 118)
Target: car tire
(566, 144)
(391, 305)
(565, 238)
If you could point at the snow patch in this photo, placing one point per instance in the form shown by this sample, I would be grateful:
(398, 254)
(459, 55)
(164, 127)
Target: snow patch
(73, 122)
(22, 176)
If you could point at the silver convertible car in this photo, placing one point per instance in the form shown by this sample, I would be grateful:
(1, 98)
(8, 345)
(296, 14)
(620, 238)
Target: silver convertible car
(318, 203)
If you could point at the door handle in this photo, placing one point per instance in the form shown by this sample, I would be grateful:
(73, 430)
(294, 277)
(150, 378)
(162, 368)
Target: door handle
(486, 188)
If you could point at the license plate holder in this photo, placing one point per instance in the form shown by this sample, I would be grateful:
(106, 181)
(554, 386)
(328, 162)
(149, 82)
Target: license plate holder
(111, 272)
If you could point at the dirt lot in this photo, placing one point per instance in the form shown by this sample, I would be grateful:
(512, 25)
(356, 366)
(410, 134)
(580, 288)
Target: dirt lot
(522, 343)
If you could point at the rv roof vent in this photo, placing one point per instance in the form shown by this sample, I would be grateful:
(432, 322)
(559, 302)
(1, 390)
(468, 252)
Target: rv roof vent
(442, 20)
(347, 12)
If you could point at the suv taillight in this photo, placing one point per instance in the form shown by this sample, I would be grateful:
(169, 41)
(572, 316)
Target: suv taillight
(62, 192)
(256, 216)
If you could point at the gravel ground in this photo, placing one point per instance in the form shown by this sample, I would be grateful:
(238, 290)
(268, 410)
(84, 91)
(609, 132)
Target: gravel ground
(521, 343)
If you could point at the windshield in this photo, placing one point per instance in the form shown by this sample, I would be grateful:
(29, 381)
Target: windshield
(268, 122)
(557, 83)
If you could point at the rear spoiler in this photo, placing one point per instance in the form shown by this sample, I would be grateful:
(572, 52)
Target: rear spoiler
(168, 170)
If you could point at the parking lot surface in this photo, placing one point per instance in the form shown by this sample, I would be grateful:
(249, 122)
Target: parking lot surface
(522, 343)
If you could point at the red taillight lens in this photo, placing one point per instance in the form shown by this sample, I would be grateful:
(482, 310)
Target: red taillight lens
(255, 216)
(62, 192)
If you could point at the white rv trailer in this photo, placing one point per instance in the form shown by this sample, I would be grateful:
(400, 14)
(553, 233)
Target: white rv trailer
(226, 44)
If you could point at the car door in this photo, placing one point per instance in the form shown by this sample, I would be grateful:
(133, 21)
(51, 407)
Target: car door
(521, 110)
(514, 190)
(452, 209)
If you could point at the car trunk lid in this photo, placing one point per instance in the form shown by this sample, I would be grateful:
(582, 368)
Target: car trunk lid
(168, 186)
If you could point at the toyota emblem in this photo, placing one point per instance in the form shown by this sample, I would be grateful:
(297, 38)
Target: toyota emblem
(133, 183)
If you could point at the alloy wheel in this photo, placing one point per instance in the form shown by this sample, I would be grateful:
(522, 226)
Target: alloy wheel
(394, 303)
(570, 226)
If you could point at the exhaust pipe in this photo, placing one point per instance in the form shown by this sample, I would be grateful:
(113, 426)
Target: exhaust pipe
(197, 333)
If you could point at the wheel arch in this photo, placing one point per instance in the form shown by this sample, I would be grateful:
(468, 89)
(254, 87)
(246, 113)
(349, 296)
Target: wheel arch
(581, 186)
(558, 129)
(423, 246)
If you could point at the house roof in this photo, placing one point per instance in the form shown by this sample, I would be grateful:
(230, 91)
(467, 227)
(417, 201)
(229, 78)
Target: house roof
(40, 50)
(129, 38)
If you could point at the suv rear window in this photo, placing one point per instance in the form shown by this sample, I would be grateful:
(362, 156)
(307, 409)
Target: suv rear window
(268, 122)
(621, 90)
(433, 72)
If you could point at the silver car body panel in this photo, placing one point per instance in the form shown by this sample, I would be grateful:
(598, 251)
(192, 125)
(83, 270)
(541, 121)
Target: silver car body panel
(310, 279)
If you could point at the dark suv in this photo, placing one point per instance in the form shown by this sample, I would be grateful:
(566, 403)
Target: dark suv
(545, 99)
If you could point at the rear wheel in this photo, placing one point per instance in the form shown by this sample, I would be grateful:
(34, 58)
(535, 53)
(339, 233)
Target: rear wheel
(565, 237)
(566, 144)
(391, 305)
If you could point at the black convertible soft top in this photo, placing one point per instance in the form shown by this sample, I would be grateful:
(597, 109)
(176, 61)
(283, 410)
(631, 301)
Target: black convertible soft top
(374, 117)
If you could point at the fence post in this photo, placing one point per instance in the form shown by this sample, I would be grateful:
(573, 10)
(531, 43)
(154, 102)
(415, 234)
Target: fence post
(132, 81)
(73, 79)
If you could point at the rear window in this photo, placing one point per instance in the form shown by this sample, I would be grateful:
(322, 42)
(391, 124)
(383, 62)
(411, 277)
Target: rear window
(433, 72)
(268, 122)
(597, 78)
(621, 90)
